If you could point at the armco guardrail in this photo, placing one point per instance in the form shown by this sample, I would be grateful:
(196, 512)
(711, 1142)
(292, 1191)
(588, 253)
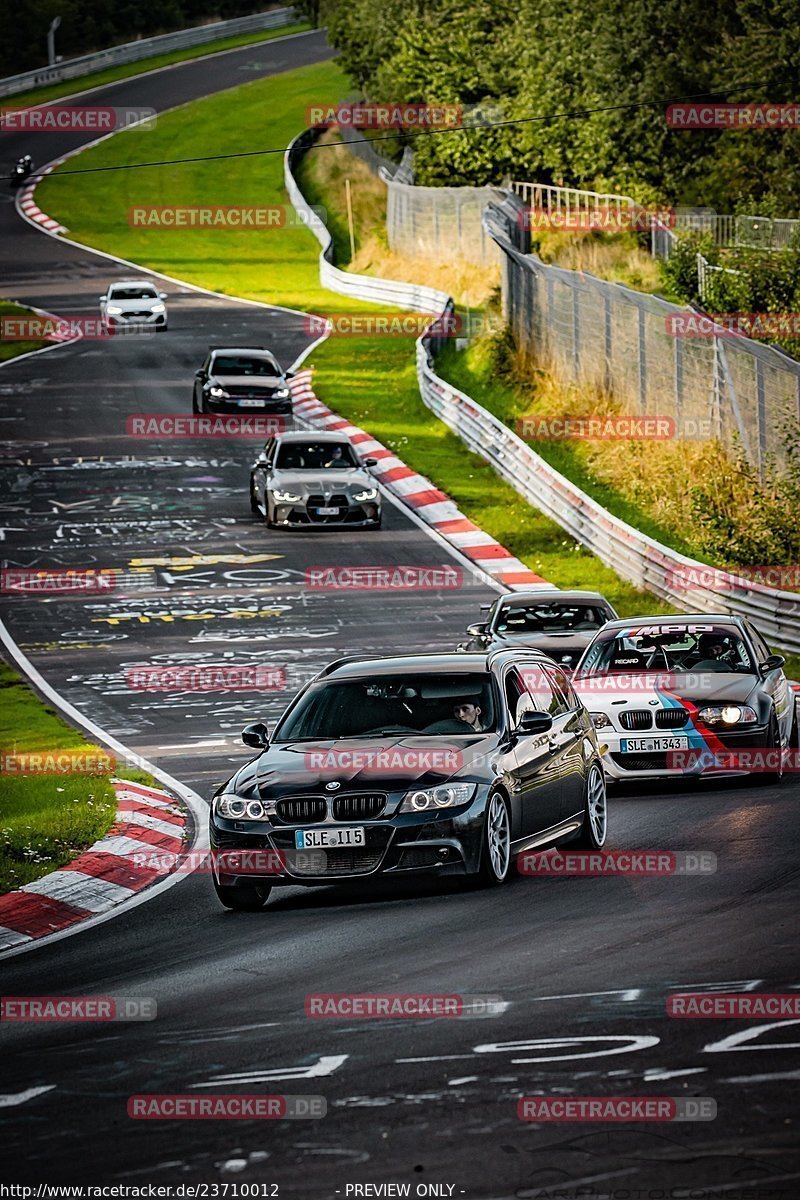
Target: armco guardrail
(646, 563)
(88, 64)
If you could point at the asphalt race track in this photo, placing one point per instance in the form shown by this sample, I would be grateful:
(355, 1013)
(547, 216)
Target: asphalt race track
(582, 966)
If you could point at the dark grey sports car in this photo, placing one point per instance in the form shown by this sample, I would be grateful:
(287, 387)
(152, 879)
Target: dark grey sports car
(423, 764)
(241, 380)
(561, 624)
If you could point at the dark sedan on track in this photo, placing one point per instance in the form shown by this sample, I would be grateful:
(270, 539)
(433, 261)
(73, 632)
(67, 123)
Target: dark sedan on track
(423, 764)
(561, 624)
(241, 380)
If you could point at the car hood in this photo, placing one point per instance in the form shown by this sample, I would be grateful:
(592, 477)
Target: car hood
(266, 382)
(699, 687)
(135, 305)
(368, 764)
(326, 482)
(572, 642)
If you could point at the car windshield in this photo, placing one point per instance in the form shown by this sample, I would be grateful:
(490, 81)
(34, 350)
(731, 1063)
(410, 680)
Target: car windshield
(672, 648)
(137, 292)
(315, 456)
(549, 618)
(418, 704)
(239, 364)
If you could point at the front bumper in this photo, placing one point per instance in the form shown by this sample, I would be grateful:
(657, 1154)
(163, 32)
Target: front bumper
(409, 844)
(710, 756)
(246, 404)
(137, 320)
(356, 516)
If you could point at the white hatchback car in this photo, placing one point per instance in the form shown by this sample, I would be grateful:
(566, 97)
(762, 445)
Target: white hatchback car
(134, 302)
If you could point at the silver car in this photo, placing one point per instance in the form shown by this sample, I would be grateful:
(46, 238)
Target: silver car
(314, 479)
(134, 303)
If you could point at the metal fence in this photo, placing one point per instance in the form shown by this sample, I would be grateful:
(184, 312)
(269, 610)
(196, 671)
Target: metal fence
(88, 64)
(443, 221)
(657, 358)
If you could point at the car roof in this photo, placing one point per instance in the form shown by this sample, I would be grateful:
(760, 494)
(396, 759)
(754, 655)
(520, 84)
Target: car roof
(133, 283)
(454, 663)
(676, 619)
(256, 351)
(547, 595)
(311, 436)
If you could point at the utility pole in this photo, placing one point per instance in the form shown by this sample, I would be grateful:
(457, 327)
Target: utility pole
(51, 41)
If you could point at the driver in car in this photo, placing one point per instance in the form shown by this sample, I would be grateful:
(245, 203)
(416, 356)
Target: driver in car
(469, 713)
(716, 652)
(335, 458)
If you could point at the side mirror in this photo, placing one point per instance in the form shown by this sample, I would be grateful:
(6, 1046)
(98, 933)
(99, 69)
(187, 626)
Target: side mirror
(288, 374)
(102, 296)
(534, 722)
(256, 735)
(370, 462)
(773, 663)
(162, 295)
(477, 630)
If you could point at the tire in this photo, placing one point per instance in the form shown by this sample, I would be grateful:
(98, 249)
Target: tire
(773, 743)
(246, 897)
(794, 733)
(496, 849)
(195, 409)
(253, 501)
(595, 809)
(379, 522)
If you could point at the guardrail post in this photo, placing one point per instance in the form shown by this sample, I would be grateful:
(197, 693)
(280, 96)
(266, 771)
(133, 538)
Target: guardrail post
(576, 332)
(761, 410)
(642, 360)
(608, 373)
(678, 384)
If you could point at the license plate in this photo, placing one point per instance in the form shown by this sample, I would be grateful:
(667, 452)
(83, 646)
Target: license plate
(251, 403)
(322, 839)
(636, 745)
(327, 512)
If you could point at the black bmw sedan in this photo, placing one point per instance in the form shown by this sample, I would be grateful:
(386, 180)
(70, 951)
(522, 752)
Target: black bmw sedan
(445, 764)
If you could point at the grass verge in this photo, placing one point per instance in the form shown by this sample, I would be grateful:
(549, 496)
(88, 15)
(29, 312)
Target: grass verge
(9, 350)
(98, 79)
(47, 819)
(372, 381)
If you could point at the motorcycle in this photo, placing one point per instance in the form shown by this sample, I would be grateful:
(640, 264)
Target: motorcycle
(21, 171)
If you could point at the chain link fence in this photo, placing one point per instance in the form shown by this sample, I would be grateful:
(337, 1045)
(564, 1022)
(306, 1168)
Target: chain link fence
(444, 222)
(657, 358)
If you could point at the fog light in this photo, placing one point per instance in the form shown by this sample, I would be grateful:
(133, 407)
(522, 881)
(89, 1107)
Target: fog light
(443, 853)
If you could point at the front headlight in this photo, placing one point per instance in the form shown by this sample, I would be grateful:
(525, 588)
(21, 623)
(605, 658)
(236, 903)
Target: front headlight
(158, 308)
(113, 310)
(286, 497)
(367, 494)
(236, 808)
(449, 796)
(600, 721)
(216, 391)
(282, 393)
(728, 714)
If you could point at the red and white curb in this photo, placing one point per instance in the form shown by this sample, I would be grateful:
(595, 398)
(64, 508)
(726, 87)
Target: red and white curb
(27, 204)
(149, 823)
(434, 507)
